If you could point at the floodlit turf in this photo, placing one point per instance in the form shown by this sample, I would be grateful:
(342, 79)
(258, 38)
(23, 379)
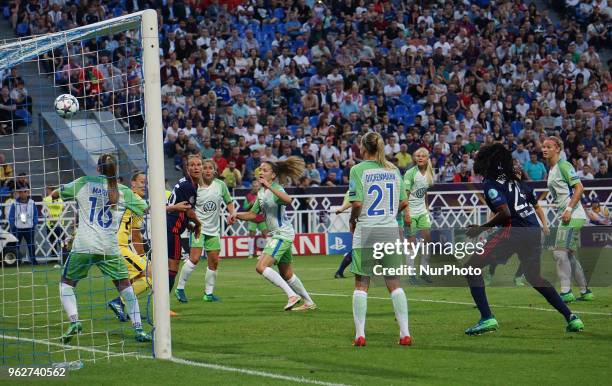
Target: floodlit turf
(249, 330)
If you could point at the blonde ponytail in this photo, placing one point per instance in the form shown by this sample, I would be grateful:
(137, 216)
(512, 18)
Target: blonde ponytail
(293, 167)
(374, 144)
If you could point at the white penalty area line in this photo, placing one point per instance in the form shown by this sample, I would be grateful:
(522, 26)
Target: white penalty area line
(470, 304)
(212, 366)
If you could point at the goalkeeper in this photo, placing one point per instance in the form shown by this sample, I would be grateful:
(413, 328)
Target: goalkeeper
(131, 247)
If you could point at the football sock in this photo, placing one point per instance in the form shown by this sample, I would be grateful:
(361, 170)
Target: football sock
(278, 280)
(171, 278)
(425, 260)
(360, 307)
(209, 281)
(552, 297)
(400, 306)
(140, 285)
(186, 271)
(564, 270)
(479, 295)
(578, 273)
(251, 246)
(296, 284)
(346, 261)
(69, 301)
(131, 303)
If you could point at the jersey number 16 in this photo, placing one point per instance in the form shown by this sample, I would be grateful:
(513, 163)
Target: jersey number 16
(104, 217)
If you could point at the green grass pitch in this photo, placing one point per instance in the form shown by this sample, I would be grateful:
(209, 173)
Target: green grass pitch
(249, 331)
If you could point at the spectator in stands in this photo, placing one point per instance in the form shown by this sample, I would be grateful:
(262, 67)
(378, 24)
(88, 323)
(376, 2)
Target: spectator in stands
(598, 215)
(6, 171)
(520, 154)
(22, 182)
(252, 163)
(463, 175)
(585, 173)
(23, 219)
(7, 112)
(538, 76)
(603, 171)
(231, 175)
(534, 168)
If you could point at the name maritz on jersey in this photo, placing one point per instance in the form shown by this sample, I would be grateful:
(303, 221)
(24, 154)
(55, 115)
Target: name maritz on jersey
(380, 177)
(99, 191)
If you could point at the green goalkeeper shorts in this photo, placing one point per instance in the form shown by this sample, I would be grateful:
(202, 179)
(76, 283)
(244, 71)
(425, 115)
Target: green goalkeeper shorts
(279, 249)
(78, 264)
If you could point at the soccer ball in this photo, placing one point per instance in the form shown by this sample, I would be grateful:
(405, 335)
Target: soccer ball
(66, 105)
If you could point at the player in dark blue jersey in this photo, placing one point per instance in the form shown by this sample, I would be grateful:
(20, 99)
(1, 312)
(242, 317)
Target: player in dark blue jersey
(184, 192)
(532, 199)
(519, 233)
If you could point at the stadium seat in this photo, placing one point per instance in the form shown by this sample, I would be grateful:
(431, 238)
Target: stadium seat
(24, 116)
(279, 13)
(401, 80)
(267, 29)
(373, 70)
(416, 108)
(400, 112)
(406, 99)
(408, 120)
(516, 127)
(292, 128)
(255, 92)
(314, 121)
(322, 173)
(460, 116)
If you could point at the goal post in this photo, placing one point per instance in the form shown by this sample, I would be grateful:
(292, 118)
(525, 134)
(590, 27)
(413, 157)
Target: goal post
(156, 180)
(71, 155)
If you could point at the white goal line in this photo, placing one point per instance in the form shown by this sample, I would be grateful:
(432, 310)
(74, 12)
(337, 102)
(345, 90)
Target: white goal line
(211, 366)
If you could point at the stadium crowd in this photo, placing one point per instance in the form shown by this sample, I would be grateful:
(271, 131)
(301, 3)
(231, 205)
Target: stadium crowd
(261, 80)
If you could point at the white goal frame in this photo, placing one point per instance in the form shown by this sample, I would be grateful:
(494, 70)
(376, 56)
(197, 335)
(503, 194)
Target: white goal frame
(21, 50)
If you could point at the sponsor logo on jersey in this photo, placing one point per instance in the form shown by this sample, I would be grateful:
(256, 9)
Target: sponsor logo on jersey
(492, 193)
(420, 193)
(210, 206)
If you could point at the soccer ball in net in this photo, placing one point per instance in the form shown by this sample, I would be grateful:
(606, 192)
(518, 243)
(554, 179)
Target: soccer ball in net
(66, 105)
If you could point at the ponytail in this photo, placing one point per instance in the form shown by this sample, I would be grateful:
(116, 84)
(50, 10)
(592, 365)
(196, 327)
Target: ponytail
(373, 143)
(293, 167)
(429, 173)
(108, 167)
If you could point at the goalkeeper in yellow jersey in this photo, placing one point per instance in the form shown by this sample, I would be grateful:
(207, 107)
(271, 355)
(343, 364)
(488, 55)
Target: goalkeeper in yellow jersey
(131, 246)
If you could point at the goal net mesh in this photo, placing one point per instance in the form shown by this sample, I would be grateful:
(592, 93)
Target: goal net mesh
(102, 66)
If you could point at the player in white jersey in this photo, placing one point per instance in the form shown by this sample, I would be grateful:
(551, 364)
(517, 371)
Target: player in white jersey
(101, 202)
(418, 180)
(566, 189)
(211, 193)
(272, 200)
(377, 194)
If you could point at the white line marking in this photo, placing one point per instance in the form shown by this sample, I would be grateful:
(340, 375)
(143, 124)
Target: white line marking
(254, 372)
(180, 361)
(470, 304)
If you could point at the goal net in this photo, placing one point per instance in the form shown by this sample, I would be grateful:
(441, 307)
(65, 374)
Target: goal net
(112, 68)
